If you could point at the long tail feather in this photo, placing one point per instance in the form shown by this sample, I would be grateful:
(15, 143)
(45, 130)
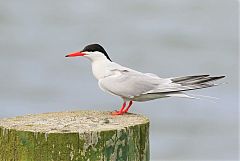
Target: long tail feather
(209, 98)
(194, 96)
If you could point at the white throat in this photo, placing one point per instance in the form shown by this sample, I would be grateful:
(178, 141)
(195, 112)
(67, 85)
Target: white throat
(99, 64)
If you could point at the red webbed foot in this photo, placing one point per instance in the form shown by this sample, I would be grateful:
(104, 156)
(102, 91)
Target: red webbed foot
(115, 113)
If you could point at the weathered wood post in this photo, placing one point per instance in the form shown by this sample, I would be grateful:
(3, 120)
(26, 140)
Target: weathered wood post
(75, 136)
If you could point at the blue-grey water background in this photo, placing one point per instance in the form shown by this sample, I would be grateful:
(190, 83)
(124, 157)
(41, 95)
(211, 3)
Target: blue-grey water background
(166, 37)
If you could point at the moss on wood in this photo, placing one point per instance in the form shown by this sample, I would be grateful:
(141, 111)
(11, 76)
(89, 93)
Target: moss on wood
(75, 136)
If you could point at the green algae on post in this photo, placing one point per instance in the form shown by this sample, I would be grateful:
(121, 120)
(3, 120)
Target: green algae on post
(78, 135)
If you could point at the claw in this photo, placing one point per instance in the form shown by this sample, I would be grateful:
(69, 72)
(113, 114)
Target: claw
(121, 110)
(117, 113)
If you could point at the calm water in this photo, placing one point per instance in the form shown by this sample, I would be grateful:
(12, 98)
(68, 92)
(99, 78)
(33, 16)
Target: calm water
(169, 38)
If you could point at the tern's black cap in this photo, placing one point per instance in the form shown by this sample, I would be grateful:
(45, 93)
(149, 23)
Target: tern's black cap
(96, 47)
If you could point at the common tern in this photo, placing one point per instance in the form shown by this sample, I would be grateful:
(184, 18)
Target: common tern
(132, 85)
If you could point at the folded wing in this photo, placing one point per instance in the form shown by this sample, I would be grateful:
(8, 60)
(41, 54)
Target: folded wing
(186, 83)
(129, 84)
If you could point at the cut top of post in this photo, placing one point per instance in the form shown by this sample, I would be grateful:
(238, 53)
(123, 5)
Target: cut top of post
(72, 122)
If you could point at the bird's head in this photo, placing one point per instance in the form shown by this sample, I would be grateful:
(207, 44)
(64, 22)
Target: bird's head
(92, 52)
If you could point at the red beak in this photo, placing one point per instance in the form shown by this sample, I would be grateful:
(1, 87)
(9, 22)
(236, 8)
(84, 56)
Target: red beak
(79, 53)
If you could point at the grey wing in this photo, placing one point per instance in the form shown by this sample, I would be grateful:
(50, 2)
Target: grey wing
(129, 84)
(186, 83)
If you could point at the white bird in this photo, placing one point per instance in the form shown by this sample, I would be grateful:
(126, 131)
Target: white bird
(132, 85)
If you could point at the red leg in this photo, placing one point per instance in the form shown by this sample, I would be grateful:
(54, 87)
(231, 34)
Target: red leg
(129, 105)
(121, 110)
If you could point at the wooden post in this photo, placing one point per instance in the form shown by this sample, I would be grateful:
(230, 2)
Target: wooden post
(75, 136)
